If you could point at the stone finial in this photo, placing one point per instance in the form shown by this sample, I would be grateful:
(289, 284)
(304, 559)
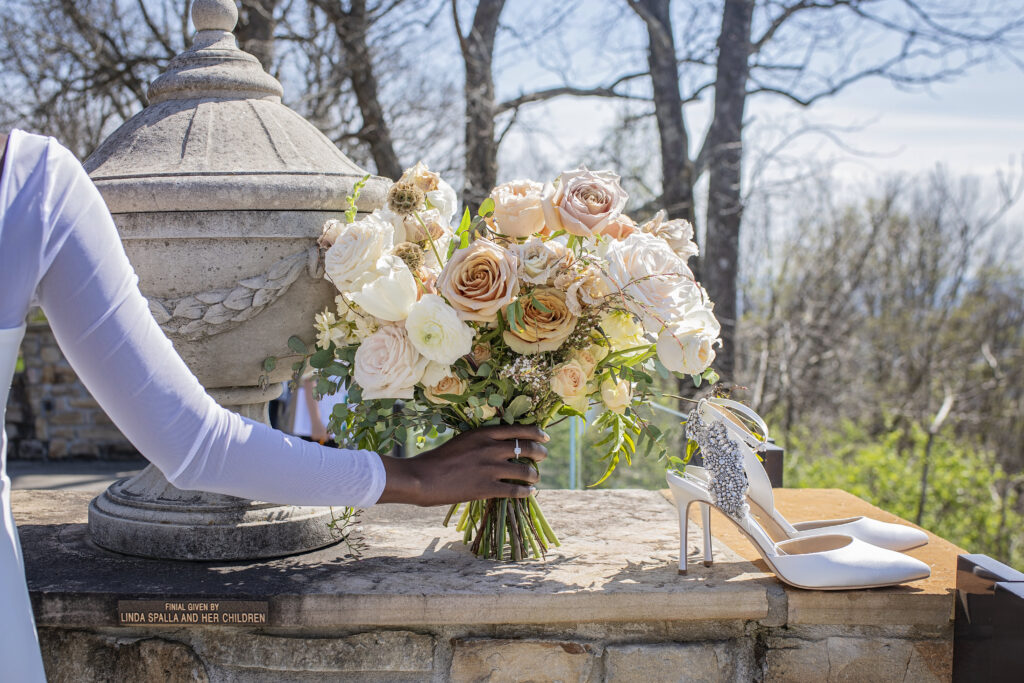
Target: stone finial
(214, 15)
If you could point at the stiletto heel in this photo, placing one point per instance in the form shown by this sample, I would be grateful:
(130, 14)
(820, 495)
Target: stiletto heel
(821, 562)
(762, 500)
(705, 518)
(683, 507)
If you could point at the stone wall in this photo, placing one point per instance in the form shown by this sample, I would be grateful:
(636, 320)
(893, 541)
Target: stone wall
(50, 414)
(578, 653)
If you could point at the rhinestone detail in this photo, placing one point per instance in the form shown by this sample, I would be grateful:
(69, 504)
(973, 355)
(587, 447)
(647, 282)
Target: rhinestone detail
(722, 459)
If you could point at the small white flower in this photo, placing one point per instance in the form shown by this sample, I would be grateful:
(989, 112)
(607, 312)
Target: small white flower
(687, 350)
(436, 330)
(390, 292)
(616, 395)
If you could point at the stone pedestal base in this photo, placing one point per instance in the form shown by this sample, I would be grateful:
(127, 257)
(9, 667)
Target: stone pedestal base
(148, 517)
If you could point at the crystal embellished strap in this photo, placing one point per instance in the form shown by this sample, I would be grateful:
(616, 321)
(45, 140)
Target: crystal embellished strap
(751, 439)
(727, 483)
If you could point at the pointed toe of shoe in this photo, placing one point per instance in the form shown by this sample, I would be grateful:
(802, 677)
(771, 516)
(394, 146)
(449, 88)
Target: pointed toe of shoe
(898, 537)
(847, 563)
(890, 536)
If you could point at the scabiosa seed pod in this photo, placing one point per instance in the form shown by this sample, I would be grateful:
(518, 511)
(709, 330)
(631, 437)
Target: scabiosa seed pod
(411, 253)
(404, 198)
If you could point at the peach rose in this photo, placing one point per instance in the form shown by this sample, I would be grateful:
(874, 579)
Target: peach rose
(517, 208)
(620, 228)
(569, 381)
(583, 202)
(589, 357)
(545, 327)
(480, 280)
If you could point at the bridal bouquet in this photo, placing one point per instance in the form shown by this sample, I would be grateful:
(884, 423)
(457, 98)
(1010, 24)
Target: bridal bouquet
(550, 302)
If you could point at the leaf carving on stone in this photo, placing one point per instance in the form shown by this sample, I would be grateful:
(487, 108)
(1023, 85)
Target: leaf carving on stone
(213, 311)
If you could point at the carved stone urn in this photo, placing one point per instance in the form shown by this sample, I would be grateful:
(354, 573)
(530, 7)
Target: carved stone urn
(219, 193)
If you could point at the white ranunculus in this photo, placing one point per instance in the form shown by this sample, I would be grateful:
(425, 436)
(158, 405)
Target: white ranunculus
(397, 224)
(444, 200)
(657, 285)
(387, 365)
(687, 350)
(616, 395)
(436, 330)
(356, 250)
(390, 293)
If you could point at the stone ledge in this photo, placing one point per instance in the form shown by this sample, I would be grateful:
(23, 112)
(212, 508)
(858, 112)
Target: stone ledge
(616, 564)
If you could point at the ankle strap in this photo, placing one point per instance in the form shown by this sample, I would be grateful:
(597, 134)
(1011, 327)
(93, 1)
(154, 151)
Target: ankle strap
(735, 406)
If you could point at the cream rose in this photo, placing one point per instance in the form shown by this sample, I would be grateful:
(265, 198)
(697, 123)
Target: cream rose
(480, 280)
(687, 350)
(436, 330)
(677, 233)
(589, 357)
(658, 286)
(387, 365)
(569, 381)
(541, 261)
(517, 208)
(357, 247)
(587, 289)
(545, 326)
(583, 202)
(616, 395)
(486, 412)
(391, 294)
(448, 385)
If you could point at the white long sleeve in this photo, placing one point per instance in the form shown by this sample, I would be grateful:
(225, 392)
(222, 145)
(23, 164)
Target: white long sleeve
(59, 243)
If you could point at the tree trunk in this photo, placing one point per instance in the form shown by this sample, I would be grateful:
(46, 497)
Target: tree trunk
(351, 28)
(676, 170)
(481, 144)
(255, 29)
(725, 154)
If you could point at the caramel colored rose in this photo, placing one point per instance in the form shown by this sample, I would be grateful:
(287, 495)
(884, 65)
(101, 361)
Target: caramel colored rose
(450, 385)
(480, 280)
(547, 322)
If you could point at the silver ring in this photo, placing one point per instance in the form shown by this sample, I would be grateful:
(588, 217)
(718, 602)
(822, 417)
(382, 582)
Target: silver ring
(518, 450)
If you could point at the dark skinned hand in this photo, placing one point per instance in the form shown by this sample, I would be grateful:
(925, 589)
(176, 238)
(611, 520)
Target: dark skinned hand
(471, 466)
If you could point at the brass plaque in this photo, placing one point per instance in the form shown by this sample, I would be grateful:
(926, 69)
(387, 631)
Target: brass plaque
(191, 612)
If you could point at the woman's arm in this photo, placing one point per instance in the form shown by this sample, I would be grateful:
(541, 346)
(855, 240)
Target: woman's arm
(89, 293)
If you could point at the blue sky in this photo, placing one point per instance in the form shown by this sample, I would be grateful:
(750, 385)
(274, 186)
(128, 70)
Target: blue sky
(972, 124)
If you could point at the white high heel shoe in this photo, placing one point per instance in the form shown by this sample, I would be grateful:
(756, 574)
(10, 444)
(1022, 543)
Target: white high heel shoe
(824, 562)
(762, 501)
